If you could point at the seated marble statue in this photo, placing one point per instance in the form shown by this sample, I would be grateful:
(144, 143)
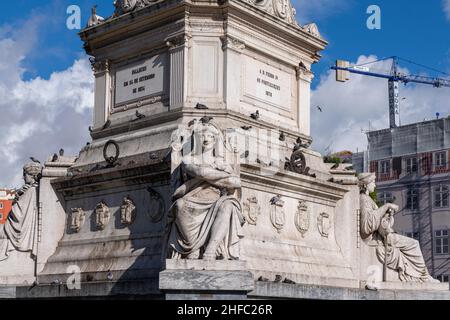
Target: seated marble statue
(403, 253)
(19, 231)
(206, 216)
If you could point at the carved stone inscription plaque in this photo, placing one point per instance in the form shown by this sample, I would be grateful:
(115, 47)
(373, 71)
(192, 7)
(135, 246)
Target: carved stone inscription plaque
(140, 79)
(267, 84)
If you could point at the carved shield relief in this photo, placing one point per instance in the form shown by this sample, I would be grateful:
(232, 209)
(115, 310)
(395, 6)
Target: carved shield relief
(127, 211)
(324, 224)
(77, 219)
(302, 220)
(252, 210)
(157, 206)
(102, 215)
(277, 215)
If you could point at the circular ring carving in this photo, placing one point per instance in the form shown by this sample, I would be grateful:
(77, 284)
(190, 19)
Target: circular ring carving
(111, 159)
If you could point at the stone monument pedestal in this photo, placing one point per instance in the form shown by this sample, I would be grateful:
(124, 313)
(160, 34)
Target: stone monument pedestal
(197, 279)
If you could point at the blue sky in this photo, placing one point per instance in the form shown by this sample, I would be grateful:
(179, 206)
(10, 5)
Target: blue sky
(46, 84)
(416, 30)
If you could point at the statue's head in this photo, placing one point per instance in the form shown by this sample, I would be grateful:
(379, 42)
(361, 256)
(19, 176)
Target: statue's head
(367, 182)
(32, 172)
(208, 136)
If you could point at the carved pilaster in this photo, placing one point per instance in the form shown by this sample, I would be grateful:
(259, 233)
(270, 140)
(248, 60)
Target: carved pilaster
(178, 46)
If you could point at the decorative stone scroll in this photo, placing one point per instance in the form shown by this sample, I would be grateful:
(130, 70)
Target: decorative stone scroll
(77, 219)
(127, 211)
(252, 210)
(302, 219)
(102, 215)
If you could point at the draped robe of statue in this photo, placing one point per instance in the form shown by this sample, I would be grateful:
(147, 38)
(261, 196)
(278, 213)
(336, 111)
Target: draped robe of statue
(404, 254)
(19, 231)
(198, 204)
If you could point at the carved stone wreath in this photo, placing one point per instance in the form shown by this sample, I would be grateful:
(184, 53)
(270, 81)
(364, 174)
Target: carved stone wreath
(157, 206)
(111, 159)
(298, 162)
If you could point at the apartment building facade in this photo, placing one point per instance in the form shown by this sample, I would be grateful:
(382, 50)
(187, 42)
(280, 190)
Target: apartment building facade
(6, 201)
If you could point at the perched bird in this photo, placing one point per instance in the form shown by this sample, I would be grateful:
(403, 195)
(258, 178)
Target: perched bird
(201, 106)
(262, 279)
(282, 136)
(278, 278)
(319, 108)
(61, 152)
(256, 115)
(288, 281)
(275, 199)
(371, 287)
(153, 156)
(139, 115)
(246, 128)
(206, 119)
(56, 282)
(90, 129)
(245, 154)
(335, 166)
(107, 124)
(88, 143)
(34, 160)
(110, 276)
(192, 122)
(55, 158)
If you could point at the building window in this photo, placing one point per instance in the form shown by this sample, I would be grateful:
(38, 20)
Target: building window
(412, 199)
(441, 241)
(443, 277)
(440, 160)
(441, 196)
(414, 235)
(1, 216)
(1, 205)
(385, 167)
(411, 165)
(385, 197)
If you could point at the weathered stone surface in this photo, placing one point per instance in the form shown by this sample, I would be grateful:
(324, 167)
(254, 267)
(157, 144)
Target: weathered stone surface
(171, 280)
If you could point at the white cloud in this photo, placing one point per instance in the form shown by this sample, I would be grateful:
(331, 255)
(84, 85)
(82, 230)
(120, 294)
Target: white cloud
(349, 107)
(39, 116)
(446, 4)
